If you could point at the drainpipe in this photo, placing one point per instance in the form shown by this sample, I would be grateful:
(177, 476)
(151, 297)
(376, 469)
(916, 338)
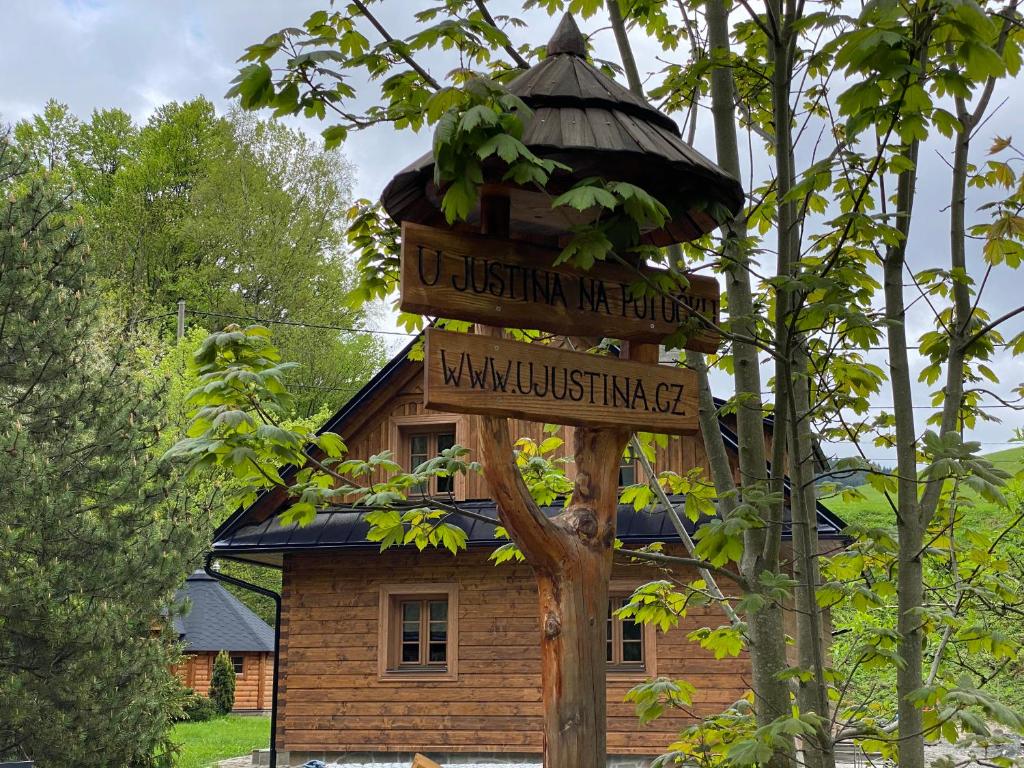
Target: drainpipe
(208, 568)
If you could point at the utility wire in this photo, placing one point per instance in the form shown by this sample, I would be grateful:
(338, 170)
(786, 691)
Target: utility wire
(301, 324)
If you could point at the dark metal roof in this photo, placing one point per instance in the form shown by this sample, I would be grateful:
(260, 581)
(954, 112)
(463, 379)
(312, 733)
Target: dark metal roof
(346, 530)
(586, 120)
(217, 621)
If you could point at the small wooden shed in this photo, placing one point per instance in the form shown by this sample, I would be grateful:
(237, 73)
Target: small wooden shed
(214, 620)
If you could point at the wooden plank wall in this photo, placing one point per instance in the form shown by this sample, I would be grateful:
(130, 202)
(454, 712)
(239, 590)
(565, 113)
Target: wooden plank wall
(332, 700)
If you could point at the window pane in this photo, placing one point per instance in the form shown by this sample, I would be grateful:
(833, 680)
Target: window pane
(417, 450)
(445, 440)
(438, 610)
(438, 652)
(633, 652)
(410, 632)
(631, 631)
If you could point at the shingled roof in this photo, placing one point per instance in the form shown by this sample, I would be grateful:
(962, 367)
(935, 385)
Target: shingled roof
(587, 121)
(217, 620)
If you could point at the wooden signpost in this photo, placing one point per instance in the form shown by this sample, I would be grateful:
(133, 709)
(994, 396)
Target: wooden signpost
(514, 285)
(496, 282)
(497, 377)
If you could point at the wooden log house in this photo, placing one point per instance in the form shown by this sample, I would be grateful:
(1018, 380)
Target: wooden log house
(215, 621)
(403, 651)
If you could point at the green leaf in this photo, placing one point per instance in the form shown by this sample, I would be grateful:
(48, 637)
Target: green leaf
(507, 148)
(586, 196)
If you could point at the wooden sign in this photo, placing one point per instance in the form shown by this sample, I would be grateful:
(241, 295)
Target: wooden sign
(498, 377)
(514, 285)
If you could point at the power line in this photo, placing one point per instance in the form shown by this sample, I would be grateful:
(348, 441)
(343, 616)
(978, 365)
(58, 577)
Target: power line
(300, 324)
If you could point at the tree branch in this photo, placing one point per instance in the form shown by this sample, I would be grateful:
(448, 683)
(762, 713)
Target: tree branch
(509, 48)
(396, 45)
(691, 562)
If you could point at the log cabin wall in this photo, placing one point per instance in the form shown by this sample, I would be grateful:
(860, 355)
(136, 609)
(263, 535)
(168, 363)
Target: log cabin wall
(332, 698)
(252, 688)
(195, 671)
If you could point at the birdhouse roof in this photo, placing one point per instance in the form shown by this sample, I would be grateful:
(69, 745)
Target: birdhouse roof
(588, 121)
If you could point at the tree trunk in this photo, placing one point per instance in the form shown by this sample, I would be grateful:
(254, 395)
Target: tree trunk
(812, 694)
(766, 633)
(571, 557)
(909, 677)
(573, 611)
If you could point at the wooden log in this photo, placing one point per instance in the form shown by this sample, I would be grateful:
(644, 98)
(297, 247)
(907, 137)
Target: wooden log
(421, 761)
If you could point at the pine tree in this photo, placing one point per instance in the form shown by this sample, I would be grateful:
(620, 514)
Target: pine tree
(93, 541)
(222, 684)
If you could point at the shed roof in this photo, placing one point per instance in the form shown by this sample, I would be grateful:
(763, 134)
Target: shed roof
(217, 620)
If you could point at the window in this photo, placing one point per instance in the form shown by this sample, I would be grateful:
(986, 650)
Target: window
(418, 631)
(238, 662)
(423, 640)
(632, 648)
(427, 445)
(625, 639)
(627, 471)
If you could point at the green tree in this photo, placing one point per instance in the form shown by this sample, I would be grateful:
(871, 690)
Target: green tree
(235, 216)
(222, 683)
(93, 538)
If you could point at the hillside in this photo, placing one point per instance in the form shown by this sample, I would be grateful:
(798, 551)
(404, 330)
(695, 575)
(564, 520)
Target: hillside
(874, 509)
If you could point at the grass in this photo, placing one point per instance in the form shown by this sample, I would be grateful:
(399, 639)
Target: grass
(203, 744)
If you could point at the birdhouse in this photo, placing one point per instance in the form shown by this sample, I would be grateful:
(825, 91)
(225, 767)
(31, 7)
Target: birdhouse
(585, 120)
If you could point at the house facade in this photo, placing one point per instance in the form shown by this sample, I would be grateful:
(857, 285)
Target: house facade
(404, 651)
(215, 621)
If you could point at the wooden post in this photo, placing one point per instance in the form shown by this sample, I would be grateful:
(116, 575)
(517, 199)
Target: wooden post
(571, 557)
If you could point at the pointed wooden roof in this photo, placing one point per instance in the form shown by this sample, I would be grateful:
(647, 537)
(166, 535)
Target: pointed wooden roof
(583, 118)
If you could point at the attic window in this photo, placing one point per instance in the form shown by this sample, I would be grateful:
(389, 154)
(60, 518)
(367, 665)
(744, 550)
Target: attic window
(424, 445)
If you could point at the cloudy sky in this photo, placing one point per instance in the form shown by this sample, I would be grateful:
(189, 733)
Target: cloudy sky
(138, 54)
